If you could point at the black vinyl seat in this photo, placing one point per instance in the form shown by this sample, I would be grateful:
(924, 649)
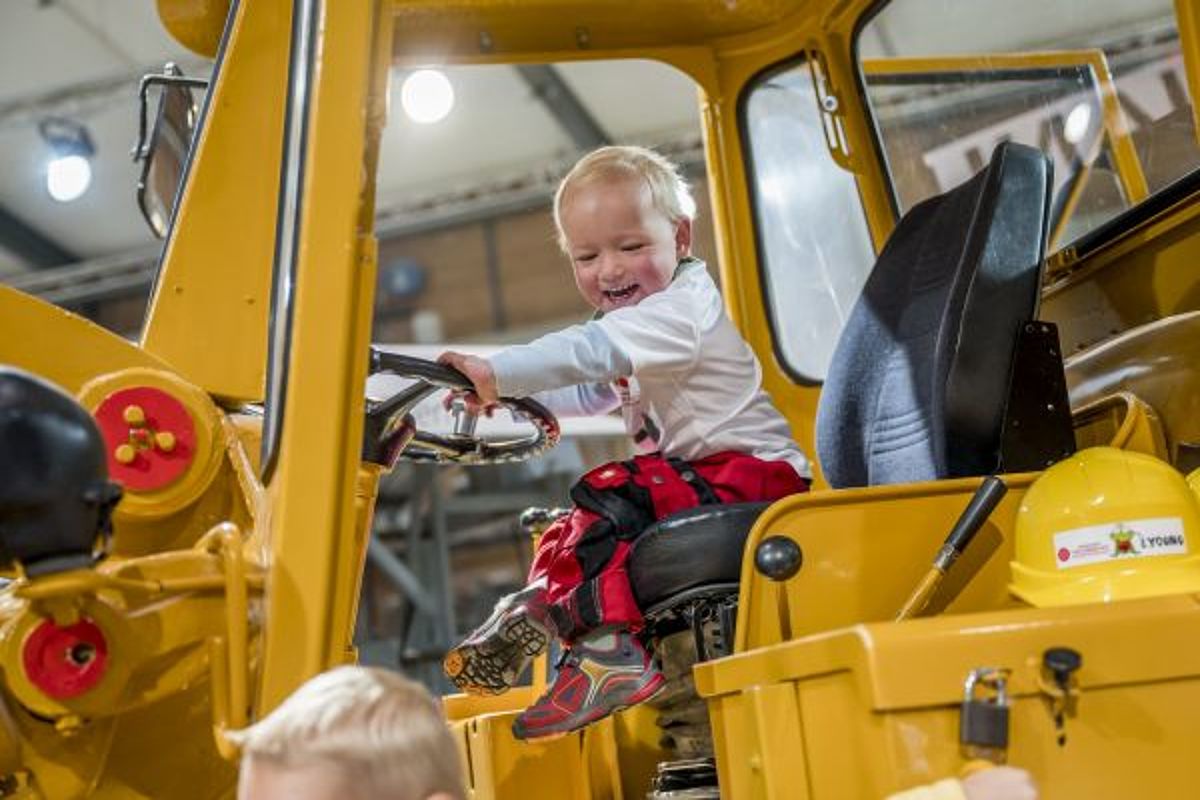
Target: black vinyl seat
(694, 549)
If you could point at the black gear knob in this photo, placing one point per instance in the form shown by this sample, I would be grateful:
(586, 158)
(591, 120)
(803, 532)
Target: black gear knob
(778, 557)
(55, 497)
(1062, 662)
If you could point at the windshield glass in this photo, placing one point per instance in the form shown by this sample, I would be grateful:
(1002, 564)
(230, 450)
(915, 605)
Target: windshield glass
(1100, 86)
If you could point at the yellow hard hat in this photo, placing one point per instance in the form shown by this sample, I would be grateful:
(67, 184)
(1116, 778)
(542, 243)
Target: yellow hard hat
(1193, 480)
(1106, 524)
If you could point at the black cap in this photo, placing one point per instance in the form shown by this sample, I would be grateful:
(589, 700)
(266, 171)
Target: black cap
(55, 496)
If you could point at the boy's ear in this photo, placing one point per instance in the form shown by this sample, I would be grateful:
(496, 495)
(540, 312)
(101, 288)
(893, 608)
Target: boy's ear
(683, 237)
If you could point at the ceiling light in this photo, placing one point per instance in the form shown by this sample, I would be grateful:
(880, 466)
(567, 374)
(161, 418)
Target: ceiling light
(1078, 123)
(69, 170)
(426, 96)
(68, 177)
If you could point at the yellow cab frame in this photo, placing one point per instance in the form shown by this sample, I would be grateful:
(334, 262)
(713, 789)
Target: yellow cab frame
(222, 595)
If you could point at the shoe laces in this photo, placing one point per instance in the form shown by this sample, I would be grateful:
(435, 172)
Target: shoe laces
(567, 657)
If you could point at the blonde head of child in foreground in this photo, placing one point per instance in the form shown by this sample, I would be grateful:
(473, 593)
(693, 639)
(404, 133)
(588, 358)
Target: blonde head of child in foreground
(624, 218)
(351, 733)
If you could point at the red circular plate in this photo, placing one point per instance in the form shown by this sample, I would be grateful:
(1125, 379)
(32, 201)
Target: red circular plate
(65, 661)
(151, 468)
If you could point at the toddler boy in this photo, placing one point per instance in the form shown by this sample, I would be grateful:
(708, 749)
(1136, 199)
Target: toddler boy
(662, 349)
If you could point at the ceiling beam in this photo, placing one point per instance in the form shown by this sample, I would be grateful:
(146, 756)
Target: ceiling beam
(549, 87)
(86, 98)
(132, 272)
(30, 244)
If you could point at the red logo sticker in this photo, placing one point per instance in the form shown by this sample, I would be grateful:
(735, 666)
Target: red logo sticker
(1064, 554)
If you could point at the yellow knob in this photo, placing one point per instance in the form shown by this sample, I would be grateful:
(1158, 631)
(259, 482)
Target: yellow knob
(134, 415)
(165, 441)
(125, 454)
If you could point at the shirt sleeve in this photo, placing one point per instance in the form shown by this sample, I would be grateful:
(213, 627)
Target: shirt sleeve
(661, 333)
(576, 355)
(584, 400)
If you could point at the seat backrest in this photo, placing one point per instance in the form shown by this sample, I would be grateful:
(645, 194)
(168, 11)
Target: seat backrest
(918, 385)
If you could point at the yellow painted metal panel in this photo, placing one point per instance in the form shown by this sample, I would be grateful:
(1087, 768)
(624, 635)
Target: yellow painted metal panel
(195, 24)
(449, 30)
(1187, 17)
(885, 698)
(313, 535)
(865, 550)
(208, 315)
(1144, 273)
(1120, 420)
(60, 346)
(503, 768)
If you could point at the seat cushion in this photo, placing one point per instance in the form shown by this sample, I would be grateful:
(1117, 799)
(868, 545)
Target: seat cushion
(693, 548)
(918, 383)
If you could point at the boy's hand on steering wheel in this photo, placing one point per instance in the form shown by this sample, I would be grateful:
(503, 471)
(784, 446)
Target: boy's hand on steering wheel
(480, 373)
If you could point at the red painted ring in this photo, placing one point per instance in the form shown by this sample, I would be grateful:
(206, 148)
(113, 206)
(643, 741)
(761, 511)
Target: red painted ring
(65, 662)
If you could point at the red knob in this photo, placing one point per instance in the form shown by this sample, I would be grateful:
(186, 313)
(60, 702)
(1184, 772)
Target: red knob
(65, 661)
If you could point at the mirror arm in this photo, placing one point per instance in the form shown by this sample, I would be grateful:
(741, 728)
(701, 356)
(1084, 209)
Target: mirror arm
(171, 76)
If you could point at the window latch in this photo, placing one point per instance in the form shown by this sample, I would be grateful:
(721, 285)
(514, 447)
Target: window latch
(830, 105)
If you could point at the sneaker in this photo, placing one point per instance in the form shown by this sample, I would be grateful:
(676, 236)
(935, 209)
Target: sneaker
(492, 658)
(603, 673)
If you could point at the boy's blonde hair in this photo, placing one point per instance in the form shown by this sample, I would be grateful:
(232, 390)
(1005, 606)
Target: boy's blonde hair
(669, 192)
(385, 733)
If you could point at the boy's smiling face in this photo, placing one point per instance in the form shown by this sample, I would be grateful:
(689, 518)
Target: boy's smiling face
(623, 249)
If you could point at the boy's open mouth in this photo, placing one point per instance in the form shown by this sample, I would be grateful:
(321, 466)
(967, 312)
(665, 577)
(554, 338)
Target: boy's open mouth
(621, 293)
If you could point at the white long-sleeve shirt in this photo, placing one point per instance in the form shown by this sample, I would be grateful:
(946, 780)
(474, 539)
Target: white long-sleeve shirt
(685, 380)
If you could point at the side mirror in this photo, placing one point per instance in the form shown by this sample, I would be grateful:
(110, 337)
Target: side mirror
(164, 152)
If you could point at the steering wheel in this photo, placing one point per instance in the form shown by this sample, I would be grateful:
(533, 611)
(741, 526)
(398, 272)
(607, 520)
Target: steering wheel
(391, 433)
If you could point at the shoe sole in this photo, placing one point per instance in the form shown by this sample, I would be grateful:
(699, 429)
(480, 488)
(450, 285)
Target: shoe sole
(495, 667)
(642, 695)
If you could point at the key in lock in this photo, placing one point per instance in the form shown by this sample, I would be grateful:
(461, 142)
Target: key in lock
(983, 719)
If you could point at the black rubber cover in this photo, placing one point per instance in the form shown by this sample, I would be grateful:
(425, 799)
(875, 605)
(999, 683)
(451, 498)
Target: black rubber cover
(693, 548)
(55, 496)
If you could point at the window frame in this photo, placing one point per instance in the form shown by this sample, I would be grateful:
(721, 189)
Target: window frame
(797, 60)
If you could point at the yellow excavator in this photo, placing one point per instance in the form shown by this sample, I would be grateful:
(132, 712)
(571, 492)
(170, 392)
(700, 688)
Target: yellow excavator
(959, 239)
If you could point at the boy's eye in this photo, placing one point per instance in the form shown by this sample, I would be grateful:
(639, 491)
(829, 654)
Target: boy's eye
(629, 248)
(585, 257)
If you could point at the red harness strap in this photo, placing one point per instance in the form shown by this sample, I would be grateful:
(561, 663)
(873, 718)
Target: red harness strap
(582, 556)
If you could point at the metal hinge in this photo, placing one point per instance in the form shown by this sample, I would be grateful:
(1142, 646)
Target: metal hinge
(829, 104)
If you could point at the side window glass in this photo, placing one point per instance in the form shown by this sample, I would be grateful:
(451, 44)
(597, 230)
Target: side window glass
(814, 246)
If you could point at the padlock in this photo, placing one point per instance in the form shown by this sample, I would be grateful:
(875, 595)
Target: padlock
(983, 720)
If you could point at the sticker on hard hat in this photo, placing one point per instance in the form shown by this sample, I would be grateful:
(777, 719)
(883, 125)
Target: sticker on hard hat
(1115, 541)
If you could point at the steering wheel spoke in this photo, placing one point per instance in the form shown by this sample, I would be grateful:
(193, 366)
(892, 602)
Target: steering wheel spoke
(391, 435)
